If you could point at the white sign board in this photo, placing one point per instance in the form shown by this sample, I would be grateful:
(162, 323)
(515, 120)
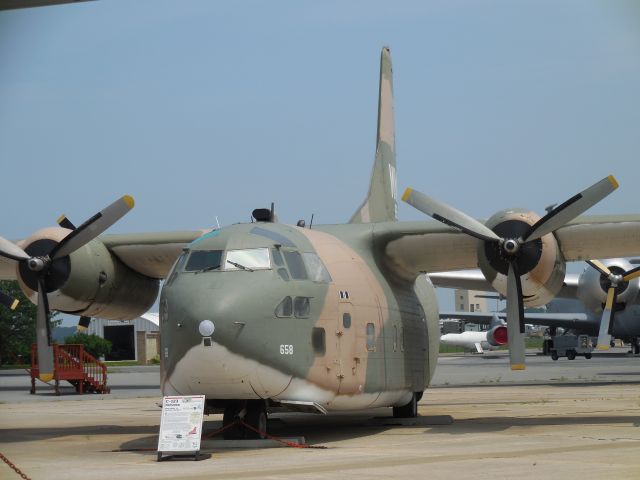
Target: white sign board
(181, 423)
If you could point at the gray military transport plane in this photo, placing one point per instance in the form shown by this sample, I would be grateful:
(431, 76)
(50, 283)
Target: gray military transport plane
(264, 316)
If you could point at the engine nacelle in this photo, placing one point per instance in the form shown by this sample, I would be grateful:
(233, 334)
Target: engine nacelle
(540, 262)
(91, 281)
(592, 285)
(497, 336)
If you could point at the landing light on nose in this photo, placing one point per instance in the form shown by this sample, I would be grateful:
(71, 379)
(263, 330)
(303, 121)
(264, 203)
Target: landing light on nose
(206, 328)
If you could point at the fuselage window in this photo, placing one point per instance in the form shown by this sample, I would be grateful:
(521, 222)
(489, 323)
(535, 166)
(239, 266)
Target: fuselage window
(295, 264)
(395, 338)
(371, 337)
(200, 260)
(346, 320)
(315, 268)
(248, 259)
(318, 341)
(176, 268)
(284, 308)
(301, 307)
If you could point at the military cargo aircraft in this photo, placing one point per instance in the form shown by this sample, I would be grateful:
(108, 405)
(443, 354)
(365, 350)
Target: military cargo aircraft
(601, 301)
(264, 315)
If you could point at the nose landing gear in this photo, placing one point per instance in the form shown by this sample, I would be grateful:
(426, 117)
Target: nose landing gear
(245, 419)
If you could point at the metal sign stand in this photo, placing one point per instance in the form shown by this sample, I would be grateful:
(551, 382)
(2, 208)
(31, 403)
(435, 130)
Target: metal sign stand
(180, 427)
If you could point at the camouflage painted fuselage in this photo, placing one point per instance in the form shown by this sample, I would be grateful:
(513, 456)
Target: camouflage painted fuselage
(370, 337)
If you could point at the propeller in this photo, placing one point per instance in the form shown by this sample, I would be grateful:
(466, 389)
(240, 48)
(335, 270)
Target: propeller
(615, 282)
(513, 246)
(83, 324)
(42, 269)
(7, 301)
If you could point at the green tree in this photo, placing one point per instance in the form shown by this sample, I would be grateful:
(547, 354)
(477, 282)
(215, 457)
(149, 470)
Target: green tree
(18, 327)
(93, 344)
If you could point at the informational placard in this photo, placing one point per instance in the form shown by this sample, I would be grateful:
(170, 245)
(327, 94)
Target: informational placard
(181, 424)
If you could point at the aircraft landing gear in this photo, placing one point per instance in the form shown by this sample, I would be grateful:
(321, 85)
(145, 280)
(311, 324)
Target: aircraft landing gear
(251, 412)
(410, 410)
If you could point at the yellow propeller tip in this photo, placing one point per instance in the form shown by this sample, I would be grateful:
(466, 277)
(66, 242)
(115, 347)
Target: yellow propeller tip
(614, 183)
(61, 219)
(46, 377)
(518, 366)
(15, 304)
(406, 194)
(129, 200)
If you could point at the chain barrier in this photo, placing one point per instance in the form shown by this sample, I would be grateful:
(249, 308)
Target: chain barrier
(13, 467)
(280, 440)
(233, 424)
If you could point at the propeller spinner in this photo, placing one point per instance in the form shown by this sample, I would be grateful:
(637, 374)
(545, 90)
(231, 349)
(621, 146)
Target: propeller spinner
(513, 247)
(41, 269)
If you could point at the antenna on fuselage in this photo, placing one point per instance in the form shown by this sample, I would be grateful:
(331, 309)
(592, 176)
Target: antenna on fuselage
(311, 222)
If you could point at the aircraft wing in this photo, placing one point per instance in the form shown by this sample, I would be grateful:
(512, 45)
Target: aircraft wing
(151, 254)
(427, 247)
(474, 280)
(564, 320)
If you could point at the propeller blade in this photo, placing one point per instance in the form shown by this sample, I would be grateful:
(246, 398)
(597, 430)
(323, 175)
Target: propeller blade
(83, 324)
(601, 267)
(448, 215)
(64, 222)
(43, 335)
(604, 335)
(93, 227)
(515, 318)
(570, 209)
(631, 274)
(11, 250)
(7, 301)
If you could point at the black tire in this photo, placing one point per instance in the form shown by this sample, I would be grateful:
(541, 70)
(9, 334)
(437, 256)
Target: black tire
(257, 418)
(410, 410)
(587, 356)
(554, 355)
(571, 354)
(237, 432)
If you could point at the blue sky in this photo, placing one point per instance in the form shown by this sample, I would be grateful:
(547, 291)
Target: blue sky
(202, 109)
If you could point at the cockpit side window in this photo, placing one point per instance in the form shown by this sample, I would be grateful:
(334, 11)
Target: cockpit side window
(176, 268)
(295, 264)
(316, 269)
(200, 260)
(248, 259)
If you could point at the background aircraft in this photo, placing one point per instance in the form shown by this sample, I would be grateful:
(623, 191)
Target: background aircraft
(587, 303)
(494, 337)
(263, 315)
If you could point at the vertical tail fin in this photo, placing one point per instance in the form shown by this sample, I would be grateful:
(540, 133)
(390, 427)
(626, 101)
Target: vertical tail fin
(380, 204)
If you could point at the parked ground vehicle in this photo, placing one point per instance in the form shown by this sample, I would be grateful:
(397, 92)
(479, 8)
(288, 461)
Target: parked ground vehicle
(571, 345)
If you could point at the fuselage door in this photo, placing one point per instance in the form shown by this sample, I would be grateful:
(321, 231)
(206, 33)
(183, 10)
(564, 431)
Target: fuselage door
(349, 369)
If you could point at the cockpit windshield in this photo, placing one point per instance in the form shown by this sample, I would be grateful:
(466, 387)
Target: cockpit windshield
(201, 260)
(248, 259)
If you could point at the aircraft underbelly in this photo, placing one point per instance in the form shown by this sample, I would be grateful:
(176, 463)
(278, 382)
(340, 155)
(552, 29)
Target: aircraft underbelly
(218, 373)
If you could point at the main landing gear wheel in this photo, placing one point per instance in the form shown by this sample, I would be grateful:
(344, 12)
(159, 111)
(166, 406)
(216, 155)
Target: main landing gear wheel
(410, 410)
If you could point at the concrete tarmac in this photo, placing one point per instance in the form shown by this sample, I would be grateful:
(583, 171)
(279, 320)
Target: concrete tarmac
(578, 419)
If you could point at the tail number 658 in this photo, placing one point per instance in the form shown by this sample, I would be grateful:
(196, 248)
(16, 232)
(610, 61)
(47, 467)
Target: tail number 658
(286, 349)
